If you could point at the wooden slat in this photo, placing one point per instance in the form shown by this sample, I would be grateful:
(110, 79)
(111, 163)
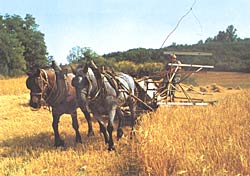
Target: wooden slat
(183, 104)
(188, 53)
(190, 65)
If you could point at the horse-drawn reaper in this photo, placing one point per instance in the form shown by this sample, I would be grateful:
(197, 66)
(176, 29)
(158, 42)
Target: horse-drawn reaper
(54, 89)
(162, 91)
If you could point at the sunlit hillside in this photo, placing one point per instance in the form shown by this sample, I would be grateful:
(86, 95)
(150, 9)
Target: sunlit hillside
(211, 140)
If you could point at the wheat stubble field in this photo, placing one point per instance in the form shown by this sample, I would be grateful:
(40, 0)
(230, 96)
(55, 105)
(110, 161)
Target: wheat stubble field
(212, 140)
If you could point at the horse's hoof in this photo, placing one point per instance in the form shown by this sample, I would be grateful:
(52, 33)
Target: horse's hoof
(132, 134)
(119, 134)
(59, 143)
(79, 141)
(90, 133)
(111, 148)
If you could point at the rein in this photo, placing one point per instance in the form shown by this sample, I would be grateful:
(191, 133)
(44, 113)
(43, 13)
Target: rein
(54, 95)
(96, 96)
(52, 88)
(45, 81)
(100, 90)
(57, 92)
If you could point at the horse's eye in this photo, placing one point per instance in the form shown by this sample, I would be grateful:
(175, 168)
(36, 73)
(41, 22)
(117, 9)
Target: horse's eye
(80, 81)
(38, 82)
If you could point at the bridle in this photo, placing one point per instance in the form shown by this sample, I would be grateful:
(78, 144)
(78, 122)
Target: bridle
(45, 85)
(87, 93)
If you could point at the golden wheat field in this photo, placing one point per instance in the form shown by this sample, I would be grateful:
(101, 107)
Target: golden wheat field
(211, 140)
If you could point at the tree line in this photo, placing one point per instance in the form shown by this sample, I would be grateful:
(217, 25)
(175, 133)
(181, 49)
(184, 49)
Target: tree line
(22, 45)
(229, 53)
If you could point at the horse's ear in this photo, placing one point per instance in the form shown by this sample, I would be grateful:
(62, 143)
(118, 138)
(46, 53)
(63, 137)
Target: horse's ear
(92, 64)
(33, 72)
(73, 70)
(37, 72)
(85, 69)
(29, 73)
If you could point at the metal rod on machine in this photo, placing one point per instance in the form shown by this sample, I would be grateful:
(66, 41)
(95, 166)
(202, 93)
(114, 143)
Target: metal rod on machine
(185, 103)
(145, 104)
(135, 97)
(186, 94)
(191, 65)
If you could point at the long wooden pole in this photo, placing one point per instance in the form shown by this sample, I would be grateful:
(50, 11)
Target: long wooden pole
(188, 53)
(191, 65)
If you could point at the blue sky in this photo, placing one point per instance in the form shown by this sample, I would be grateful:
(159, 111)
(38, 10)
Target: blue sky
(118, 25)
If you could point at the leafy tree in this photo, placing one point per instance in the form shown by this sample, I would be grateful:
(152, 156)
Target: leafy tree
(222, 36)
(21, 44)
(227, 36)
(78, 54)
(35, 47)
(208, 40)
(12, 62)
(139, 55)
(200, 42)
(231, 33)
(174, 44)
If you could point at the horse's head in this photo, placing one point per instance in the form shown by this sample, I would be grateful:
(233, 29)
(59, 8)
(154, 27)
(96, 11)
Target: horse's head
(82, 84)
(37, 82)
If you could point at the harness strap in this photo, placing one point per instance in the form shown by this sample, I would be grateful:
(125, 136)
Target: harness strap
(112, 81)
(111, 78)
(96, 95)
(59, 90)
(51, 91)
(99, 78)
(46, 75)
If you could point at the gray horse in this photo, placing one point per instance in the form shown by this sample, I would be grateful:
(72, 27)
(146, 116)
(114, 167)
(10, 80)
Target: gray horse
(105, 94)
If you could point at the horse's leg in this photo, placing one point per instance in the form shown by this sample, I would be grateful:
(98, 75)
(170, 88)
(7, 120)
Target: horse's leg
(132, 108)
(102, 127)
(76, 127)
(110, 127)
(58, 141)
(120, 115)
(88, 118)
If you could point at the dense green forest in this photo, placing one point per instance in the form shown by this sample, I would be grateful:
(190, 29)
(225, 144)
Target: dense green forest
(22, 45)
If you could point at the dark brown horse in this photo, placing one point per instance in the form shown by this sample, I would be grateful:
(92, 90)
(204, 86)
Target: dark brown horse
(55, 90)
